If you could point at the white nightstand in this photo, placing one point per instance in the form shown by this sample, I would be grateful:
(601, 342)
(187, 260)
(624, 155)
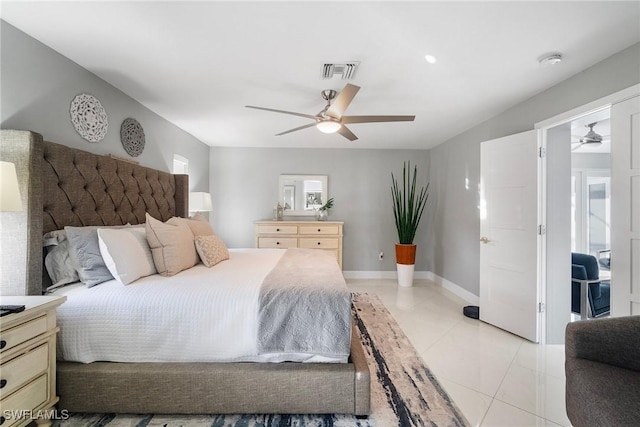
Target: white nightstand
(28, 360)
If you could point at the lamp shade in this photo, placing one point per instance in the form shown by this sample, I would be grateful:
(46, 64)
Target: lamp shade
(9, 190)
(200, 202)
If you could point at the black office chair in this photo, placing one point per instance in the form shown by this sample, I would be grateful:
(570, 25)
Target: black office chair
(585, 278)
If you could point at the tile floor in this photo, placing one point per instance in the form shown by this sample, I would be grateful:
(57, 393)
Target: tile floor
(495, 378)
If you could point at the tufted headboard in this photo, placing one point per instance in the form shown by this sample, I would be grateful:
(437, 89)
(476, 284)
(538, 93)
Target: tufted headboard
(63, 186)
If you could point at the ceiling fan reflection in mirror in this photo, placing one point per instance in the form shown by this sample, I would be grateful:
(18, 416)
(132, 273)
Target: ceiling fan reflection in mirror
(331, 118)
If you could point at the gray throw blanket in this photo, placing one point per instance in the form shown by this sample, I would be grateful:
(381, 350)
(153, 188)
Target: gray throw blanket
(305, 306)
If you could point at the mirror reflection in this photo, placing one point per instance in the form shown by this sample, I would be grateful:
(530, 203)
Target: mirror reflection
(302, 194)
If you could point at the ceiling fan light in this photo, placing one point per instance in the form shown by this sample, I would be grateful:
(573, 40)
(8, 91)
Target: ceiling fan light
(328, 126)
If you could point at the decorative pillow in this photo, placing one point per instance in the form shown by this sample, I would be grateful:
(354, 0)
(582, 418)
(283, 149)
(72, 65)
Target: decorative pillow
(197, 227)
(57, 261)
(172, 246)
(126, 253)
(84, 252)
(211, 249)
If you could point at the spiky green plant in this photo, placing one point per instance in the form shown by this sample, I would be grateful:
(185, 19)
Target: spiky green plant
(407, 208)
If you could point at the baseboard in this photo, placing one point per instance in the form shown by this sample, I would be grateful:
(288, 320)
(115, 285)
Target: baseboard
(454, 289)
(381, 275)
(424, 275)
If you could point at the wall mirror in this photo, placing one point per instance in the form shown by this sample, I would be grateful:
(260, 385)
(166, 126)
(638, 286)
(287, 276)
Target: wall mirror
(301, 195)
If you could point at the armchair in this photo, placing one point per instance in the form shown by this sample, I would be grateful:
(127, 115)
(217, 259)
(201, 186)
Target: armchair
(602, 371)
(590, 297)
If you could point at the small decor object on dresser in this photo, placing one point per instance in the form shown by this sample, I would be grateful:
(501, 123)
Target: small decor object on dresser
(89, 117)
(132, 137)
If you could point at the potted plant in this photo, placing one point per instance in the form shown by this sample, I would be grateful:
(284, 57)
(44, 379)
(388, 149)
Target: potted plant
(323, 211)
(408, 206)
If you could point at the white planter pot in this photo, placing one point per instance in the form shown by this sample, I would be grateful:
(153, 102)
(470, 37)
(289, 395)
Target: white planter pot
(405, 274)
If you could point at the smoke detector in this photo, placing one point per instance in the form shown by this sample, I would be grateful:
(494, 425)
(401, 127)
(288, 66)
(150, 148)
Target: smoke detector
(550, 59)
(345, 71)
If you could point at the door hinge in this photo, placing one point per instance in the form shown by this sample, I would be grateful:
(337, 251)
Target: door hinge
(542, 230)
(542, 152)
(541, 307)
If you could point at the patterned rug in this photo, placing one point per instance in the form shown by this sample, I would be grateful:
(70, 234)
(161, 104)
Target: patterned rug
(404, 392)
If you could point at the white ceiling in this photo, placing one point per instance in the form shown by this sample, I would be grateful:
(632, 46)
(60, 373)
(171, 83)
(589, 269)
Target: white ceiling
(198, 64)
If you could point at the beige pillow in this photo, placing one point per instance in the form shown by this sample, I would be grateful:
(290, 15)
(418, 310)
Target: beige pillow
(211, 249)
(197, 227)
(171, 245)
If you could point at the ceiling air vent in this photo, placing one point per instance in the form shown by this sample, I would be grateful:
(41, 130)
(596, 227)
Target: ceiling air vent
(346, 71)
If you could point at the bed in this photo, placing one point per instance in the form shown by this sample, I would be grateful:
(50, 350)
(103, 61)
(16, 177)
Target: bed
(71, 187)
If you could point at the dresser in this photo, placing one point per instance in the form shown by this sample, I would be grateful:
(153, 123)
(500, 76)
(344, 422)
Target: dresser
(28, 360)
(322, 235)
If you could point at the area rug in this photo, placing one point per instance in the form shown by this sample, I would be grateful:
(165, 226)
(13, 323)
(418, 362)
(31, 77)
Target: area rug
(404, 392)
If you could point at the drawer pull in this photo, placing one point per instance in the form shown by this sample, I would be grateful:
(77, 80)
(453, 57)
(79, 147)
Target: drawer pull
(318, 243)
(2, 420)
(277, 243)
(277, 229)
(3, 344)
(3, 383)
(318, 230)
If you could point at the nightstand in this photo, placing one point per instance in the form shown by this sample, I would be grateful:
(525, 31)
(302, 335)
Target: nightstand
(28, 361)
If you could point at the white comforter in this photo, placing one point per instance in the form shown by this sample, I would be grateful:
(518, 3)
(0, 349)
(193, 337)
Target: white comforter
(199, 315)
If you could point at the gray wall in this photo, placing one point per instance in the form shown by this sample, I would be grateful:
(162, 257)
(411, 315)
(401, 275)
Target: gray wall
(38, 85)
(244, 187)
(455, 164)
(590, 161)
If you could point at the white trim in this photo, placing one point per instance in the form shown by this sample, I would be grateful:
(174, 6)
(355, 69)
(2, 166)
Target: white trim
(589, 108)
(382, 275)
(454, 288)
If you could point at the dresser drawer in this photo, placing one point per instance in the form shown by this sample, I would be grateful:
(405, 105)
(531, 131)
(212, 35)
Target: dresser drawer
(29, 397)
(276, 242)
(277, 229)
(18, 371)
(319, 243)
(319, 229)
(21, 333)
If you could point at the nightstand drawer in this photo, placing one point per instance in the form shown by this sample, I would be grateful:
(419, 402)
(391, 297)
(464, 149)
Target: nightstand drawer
(17, 372)
(21, 333)
(319, 243)
(275, 242)
(319, 229)
(277, 229)
(31, 396)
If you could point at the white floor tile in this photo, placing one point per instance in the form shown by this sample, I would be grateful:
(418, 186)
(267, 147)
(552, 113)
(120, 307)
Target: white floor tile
(494, 377)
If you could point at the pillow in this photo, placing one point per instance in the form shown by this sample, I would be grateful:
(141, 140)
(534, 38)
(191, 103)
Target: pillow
(211, 249)
(197, 226)
(172, 246)
(126, 253)
(84, 252)
(57, 261)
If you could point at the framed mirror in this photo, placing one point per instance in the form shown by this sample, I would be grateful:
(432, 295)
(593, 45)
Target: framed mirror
(301, 195)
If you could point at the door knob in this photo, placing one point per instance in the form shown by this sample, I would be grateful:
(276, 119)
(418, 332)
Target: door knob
(484, 240)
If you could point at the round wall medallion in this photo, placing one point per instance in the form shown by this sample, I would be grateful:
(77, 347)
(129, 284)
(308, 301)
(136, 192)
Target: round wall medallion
(88, 117)
(132, 137)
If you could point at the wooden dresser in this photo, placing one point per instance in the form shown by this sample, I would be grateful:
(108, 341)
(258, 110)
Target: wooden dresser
(323, 235)
(28, 360)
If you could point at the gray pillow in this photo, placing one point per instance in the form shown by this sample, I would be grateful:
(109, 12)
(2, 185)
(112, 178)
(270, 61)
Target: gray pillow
(84, 252)
(58, 263)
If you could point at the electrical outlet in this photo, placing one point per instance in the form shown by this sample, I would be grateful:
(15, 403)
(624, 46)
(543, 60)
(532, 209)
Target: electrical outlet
(381, 256)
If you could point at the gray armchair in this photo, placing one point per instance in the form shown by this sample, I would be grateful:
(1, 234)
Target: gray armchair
(602, 369)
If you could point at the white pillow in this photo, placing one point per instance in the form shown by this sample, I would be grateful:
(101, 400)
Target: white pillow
(126, 253)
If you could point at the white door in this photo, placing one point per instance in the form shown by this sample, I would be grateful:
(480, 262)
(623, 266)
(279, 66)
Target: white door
(625, 207)
(509, 293)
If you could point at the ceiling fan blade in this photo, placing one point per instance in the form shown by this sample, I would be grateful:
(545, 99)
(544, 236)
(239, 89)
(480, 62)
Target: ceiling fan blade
(308, 116)
(374, 119)
(342, 101)
(344, 131)
(295, 129)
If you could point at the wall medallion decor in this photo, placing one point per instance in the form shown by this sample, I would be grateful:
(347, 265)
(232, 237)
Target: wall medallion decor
(132, 137)
(88, 117)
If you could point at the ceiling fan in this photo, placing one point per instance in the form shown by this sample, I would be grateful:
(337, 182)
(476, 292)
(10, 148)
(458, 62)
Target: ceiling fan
(331, 118)
(591, 138)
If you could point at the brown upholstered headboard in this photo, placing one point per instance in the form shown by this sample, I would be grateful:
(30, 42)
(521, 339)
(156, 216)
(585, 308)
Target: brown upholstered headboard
(67, 186)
